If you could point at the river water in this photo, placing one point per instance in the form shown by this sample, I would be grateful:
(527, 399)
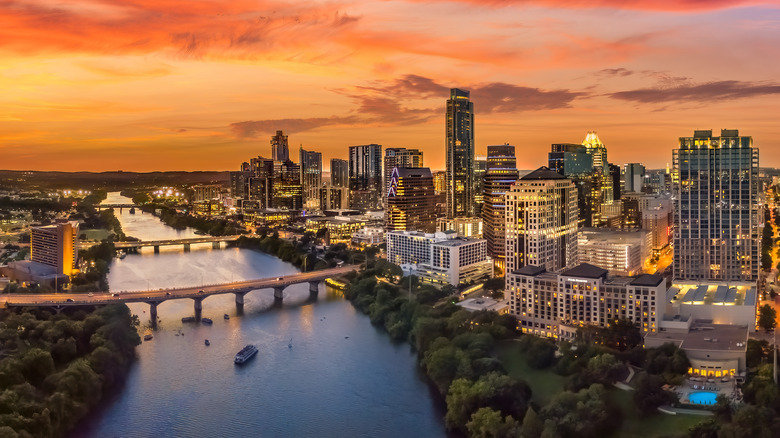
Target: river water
(341, 378)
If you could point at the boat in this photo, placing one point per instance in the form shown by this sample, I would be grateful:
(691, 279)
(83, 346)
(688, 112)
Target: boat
(122, 255)
(188, 319)
(227, 316)
(132, 210)
(290, 344)
(207, 342)
(207, 321)
(148, 337)
(245, 354)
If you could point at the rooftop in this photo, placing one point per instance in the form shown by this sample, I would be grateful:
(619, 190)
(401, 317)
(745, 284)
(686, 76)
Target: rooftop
(530, 270)
(586, 270)
(648, 280)
(542, 173)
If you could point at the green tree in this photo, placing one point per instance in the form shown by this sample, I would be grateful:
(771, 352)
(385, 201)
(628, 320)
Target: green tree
(767, 317)
(487, 423)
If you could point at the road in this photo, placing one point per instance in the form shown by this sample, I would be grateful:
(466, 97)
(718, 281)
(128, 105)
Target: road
(80, 299)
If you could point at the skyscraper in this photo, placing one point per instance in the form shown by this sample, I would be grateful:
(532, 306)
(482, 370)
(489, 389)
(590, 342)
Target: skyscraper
(460, 154)
(400, 157)
(500, 175)
(311, 177)
(339, 172)
(480, 167)
(541, 222)
(365, 177)
(716, 207)
(411, 200)
(280, 151)
(633, 177)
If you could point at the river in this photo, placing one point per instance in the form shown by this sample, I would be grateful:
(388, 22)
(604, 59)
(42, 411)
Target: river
(341, 378)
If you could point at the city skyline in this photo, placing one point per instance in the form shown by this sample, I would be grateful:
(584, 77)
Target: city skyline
(96, 86)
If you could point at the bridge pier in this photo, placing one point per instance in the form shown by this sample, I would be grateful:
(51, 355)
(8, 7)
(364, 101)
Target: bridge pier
(186, 247)
(314, 287)
(153, 313)
(240, 302)
(216, 245)
(279, 293)
(156, 249)
(198, 307)
(57, 309)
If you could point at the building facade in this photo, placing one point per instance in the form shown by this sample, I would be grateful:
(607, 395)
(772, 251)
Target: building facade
(400, 157)
(339, 172)
(501, 174)
(56, 246)
(716, 208)
(411, 201)
(480, 168)
(365, 177)
(556, 304)
(280, 150)
(463, 226)
(622, 253)
(460, 154)
(541, 222)
(334, 197)
(311, 178)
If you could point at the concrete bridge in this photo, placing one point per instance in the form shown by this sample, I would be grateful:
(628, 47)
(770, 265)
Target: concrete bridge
(216, 242)
(120, 206)
(153, 298)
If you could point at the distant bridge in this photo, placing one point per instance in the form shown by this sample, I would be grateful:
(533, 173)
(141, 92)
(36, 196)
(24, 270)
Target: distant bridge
(116, 205)
(216, 242)
(59, 301)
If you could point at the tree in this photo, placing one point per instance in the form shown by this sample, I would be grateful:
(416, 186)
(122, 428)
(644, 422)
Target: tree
(767, 317)
(487, 423)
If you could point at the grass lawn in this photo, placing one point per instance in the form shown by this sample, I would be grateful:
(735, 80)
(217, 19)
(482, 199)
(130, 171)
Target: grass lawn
(656, 425)
(97, 235)
(544, 383)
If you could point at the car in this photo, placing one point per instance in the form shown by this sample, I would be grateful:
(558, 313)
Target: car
(167, 294)
(278, 278)
(69, 300)
(90, 294)
(114, 294)
(200, 291)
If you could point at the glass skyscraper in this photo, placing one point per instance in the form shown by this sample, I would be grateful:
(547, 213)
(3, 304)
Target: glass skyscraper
(501, 174)
(460, 154)
(715, 185)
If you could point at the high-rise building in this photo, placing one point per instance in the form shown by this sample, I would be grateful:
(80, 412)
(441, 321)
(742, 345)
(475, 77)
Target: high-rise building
(280, 151)
(480, 167)
(460, 154)
(616, 173)
(541, 222)
(334, 197)
(586, 165)
(311, 177)
(716, 209)
(339, 172)
(400, 157)
(633, 177)
(365, 177)
(411, 201)
(286, 189)
(56, 246)
(440, 182)
(501, 174)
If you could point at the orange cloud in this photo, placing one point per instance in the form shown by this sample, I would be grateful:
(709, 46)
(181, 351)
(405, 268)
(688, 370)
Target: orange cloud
(639, 5)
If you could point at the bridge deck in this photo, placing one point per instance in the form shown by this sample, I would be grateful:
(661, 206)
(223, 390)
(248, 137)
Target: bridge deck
(152, 296)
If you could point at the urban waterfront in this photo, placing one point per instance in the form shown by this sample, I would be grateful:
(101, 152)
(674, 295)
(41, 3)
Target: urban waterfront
(342, 376)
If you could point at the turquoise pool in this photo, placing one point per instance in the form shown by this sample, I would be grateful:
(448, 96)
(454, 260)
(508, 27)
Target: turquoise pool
(703, 398)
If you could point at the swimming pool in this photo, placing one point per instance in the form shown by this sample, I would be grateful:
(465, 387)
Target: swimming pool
(702, 398)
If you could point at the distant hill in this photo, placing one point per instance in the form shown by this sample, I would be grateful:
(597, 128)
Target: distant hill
(106, 180)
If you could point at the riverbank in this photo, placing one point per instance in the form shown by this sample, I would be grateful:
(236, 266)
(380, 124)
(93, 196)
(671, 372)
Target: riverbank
(58, 368)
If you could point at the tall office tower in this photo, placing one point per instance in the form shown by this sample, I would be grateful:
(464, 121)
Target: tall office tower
(633, 177)
(716, 210)
(400, 157)
(440, 182)
(365, 177)
(56, 246)
(501, 174)
(460, 154)
(311, 177)
(411, 200)
(280, 151)
(541, 222)
(339, 172)
(286, 188)
(480, 167)
(586, 164)
(616, 172)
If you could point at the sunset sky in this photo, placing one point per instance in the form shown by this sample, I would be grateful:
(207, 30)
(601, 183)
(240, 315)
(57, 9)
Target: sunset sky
(146, 85)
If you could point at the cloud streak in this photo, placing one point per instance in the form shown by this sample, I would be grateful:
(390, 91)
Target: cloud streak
(711, 91)
(638, 5)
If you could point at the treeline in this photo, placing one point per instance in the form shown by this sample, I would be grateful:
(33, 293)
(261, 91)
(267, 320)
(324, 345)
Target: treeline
(56, 368)
(301, 253)
(94, 277)
(455, 349)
